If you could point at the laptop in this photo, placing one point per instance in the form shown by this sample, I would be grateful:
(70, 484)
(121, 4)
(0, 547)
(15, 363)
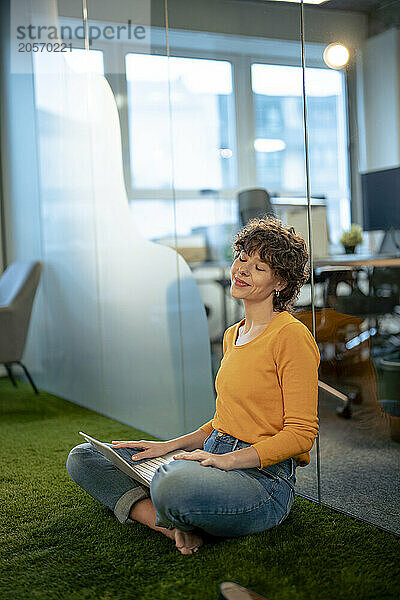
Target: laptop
(141, 470)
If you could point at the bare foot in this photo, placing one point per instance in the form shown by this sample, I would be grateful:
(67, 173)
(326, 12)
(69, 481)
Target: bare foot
(187, 542)
(144, 512)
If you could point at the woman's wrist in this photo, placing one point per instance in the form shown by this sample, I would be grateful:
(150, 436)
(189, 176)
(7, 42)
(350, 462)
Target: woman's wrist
(172, 445)
(191, 441)
(245, 458)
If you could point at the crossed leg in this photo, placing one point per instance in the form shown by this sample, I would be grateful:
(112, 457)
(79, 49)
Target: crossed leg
(144, 512)
(194, 498)
(125, 497)
(187, 501)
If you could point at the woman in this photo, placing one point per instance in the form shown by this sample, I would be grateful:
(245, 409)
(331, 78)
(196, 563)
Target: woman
(237, 475)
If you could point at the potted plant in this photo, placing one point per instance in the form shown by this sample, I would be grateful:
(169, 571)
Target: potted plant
(350, 239)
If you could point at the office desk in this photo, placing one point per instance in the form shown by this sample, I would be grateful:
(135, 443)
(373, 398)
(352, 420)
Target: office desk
(337, 268)
(339, 264)
(358, 260)
(223, 279)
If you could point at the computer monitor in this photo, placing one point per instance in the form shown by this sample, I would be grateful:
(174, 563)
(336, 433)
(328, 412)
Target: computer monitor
(381, 206)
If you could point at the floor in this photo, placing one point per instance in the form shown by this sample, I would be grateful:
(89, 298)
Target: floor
(359, 466)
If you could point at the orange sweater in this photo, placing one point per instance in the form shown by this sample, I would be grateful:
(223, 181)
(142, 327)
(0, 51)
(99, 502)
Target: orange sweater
(267, 391)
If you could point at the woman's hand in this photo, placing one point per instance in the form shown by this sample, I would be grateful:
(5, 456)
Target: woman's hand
(148, 448)
(208, 459)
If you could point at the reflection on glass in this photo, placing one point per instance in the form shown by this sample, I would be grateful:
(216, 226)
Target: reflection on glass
(91, 250)
(208, 212)
(279, 134)
(202, 122)
(358, 289)
(85, 61)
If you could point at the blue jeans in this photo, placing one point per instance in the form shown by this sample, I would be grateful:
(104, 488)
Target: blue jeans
(187, 495)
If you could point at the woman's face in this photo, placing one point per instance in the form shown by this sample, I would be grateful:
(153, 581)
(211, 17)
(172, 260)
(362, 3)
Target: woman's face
(252, 279)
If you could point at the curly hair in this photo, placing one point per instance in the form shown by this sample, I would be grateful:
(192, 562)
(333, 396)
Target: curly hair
(282, 250)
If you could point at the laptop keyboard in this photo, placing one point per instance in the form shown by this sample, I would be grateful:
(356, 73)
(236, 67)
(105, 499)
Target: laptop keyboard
(150, 466)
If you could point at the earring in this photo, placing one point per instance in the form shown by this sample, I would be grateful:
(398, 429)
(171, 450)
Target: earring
(277, 293)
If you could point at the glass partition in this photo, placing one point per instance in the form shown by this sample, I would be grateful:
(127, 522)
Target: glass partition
(125, 298)
(163, 128)
(237, 134)
(352, 98)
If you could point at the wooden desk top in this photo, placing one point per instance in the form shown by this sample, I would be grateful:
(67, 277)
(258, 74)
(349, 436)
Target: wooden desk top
(338, 260)
(359, 260)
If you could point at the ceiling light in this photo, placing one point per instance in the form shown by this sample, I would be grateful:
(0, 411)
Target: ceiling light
(225, 152)
(336, 56)
(269, 145)
(305, 1)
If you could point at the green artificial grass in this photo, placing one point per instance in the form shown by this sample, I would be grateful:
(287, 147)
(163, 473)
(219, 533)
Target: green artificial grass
(56, 541)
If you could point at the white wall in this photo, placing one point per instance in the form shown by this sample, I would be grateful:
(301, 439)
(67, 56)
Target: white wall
(379, 101)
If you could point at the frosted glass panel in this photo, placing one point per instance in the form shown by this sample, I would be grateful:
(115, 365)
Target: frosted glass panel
(119, 344)
(71, 306)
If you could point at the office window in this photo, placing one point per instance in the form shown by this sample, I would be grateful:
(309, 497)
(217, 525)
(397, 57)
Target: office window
(191, 215)
(202, 139)
(279, 134)
(278, 127)
(85, 61)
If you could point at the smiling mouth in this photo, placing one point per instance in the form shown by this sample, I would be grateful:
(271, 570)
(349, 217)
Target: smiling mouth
(239, 283)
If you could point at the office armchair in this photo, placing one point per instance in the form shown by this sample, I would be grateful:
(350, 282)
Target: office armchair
(345, 356)
(382, 299)
(255, 202)
(18, 286)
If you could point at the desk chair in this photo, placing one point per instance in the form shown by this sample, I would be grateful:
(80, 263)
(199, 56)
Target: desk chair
(330, 277)
(385, 288)
(388, 370)
(339, 358)
(255, 202)
(18, 286)
(382, 299)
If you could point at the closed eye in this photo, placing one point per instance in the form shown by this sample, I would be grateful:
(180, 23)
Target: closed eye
(244, 260)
